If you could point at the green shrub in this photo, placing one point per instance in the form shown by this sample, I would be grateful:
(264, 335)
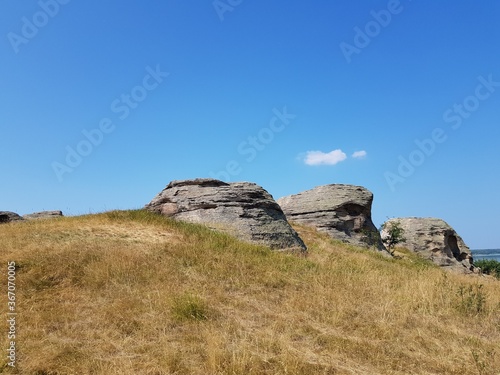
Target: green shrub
(489, 267)
(393, 236)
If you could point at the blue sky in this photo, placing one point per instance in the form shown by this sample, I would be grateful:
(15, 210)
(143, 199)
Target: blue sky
(103, 103)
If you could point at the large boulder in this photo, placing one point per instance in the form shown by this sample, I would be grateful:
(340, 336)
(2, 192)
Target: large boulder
(342, 211)
(244, 210)
(7, 217)
(436, 240)
(43, 215)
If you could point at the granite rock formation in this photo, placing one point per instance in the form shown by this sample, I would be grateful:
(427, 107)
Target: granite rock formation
(342, 211)
(242, 209)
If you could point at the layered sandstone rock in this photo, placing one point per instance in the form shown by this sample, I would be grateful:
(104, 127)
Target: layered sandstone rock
(436, 240)
(7, 217)
(242, 209)
(342, 211)
(43, 215)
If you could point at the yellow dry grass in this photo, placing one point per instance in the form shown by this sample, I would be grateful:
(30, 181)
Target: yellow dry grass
(130, 292)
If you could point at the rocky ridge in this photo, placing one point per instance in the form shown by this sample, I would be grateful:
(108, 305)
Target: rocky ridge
(248, 212)
(7, 216)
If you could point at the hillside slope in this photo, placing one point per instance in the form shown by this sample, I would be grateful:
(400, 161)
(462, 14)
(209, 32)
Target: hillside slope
(130, 292)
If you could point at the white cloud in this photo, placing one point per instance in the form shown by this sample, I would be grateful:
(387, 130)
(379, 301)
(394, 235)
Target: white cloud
(322, 158)
(359, 154)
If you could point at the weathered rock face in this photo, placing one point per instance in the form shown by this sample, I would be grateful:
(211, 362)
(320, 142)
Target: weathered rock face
(43, 215)
(7, 217)
(435, 240)
(342, 211)
(244, 210)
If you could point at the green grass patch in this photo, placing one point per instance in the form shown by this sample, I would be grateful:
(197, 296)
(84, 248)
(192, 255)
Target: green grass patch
(489, 267)
(189, 307)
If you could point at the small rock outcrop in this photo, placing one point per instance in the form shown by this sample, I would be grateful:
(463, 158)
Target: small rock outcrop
(7, 217)
(242, 209)
(342, 211)
(437, 241)
(43, 215)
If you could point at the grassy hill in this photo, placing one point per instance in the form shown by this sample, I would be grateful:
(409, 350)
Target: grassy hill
(129, 292)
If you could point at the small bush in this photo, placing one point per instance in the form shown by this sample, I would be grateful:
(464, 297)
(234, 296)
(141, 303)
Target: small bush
(394, 234)
(489, 267)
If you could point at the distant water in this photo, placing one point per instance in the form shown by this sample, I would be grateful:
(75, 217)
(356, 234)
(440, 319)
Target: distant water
(486, 254)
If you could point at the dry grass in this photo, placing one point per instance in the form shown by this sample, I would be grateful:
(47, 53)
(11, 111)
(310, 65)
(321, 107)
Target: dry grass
(133, 293)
